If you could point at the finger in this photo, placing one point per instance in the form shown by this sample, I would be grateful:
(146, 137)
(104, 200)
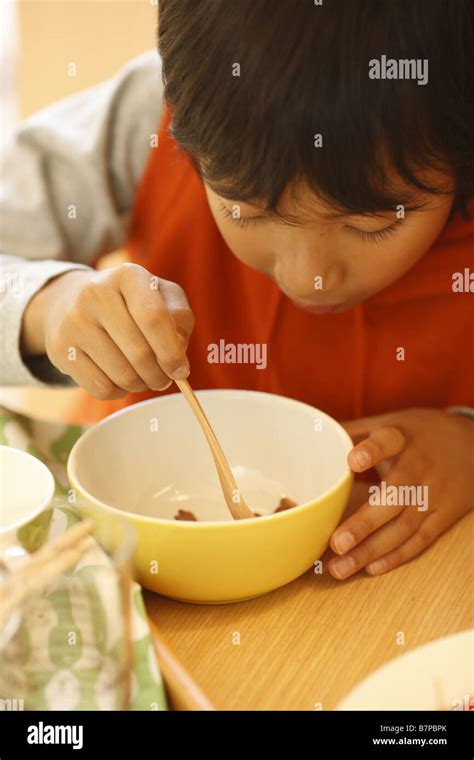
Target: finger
(90, 377)
(179, 309)
(382, 443)
(99, 347)
(426, 534)
(360, 493)
(125, 333)
(384, 540)
(365, 425)
(373, 514)
(361, 524)
(148, 309)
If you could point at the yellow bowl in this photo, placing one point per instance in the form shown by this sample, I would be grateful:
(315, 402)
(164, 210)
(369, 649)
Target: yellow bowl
(144, 463)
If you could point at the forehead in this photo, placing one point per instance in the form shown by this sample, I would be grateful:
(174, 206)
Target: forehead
(298, 205)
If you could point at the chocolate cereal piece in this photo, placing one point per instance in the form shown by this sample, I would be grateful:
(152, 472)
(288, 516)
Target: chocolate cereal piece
(183, 514)
(285, 504)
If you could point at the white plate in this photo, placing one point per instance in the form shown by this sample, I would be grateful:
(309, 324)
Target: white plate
(435, 676)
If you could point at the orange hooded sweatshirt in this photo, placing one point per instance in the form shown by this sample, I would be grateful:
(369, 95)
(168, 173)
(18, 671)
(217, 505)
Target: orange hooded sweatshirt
(349, 364)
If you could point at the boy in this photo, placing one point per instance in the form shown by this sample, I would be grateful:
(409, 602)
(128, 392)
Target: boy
(309, 188)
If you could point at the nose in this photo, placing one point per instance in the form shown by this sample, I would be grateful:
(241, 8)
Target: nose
(305, 275)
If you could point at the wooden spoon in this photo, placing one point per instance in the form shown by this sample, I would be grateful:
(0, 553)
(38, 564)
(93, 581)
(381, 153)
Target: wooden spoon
(238, 508)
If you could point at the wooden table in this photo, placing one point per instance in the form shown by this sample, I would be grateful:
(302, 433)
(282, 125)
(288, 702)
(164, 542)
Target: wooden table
(310, 642)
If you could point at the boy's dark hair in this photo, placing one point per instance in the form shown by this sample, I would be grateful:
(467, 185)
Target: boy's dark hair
(304, 70)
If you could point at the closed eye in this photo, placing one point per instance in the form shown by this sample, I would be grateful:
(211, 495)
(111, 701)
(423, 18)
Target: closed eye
(377, 236)
(369, 237)
(242, 221)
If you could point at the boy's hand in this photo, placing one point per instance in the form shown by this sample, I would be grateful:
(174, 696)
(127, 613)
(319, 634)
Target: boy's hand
(414, 447)
(114, 331)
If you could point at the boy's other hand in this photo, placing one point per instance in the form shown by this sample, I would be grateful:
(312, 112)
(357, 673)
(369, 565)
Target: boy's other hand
(427, 448)
(114, 331)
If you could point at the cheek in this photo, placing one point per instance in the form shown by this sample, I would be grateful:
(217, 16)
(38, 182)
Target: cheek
(392, 260)
(427, 229)
(247, 244)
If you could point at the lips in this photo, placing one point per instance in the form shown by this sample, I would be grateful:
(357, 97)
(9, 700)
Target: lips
(318, 309)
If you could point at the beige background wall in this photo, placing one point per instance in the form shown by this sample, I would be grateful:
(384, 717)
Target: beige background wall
(98, 36)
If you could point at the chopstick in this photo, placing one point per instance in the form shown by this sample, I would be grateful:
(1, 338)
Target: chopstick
(125, 576)
(182, 690)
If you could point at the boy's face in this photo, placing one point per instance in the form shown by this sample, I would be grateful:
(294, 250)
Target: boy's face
(355, 256)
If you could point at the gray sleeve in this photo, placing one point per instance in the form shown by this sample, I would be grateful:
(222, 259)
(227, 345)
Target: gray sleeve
(68, 178)
(466, 411)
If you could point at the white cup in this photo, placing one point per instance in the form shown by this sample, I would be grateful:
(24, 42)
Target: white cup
(26, 490)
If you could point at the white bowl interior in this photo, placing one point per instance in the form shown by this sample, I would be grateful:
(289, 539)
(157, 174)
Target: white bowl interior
(152, 459)
(26, 488)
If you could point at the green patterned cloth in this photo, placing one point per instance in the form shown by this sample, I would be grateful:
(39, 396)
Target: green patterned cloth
(82, 609)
